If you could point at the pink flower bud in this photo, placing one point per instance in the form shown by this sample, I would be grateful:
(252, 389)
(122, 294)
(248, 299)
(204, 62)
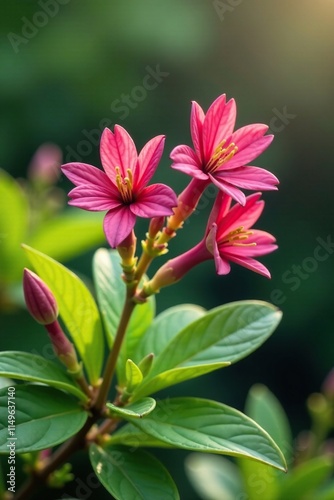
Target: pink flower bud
(155, 226)
(328, 385)
(39, 299)
(45, 164)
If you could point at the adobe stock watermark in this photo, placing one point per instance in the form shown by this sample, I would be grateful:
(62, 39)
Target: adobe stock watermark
(222, 7)
(293, 277)
(121, 107)
(280, 120)
(31, 27)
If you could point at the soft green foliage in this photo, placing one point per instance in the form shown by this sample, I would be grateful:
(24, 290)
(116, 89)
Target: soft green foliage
(67, 235)
(214, 478)
(110, 290)
(13, 226)
(181, 343)
(44, 417)
(52, 235)
(132, 474)
(263, 407)
(77, 308)
(139, 409)
(305, 479)
(214, 340)
(211, 427)
(254, 480)
(33, 368)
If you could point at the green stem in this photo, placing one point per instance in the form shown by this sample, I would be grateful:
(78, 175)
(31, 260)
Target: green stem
(113, 356)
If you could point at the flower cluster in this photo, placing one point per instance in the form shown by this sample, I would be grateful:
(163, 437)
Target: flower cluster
(220, 156)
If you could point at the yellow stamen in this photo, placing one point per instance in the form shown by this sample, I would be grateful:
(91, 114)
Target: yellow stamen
(125, 185)
(221, 155)
(236, 236)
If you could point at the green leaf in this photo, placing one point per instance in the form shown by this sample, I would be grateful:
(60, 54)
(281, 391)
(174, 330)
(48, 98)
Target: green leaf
(44, 417)
(302, 482)
(130, 435)
(110, 289)
(207, 426)
(263, 407)
(132, 474)
(214, 478)
(165, 327)
(218, 338)
(133, 375)
(55, 237)
(173, 377)
(77, 309)
(139, 409)
(326, 492)
(13, 226)
(30, 367)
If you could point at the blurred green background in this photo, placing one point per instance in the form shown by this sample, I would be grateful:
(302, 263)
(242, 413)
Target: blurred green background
(69, 68)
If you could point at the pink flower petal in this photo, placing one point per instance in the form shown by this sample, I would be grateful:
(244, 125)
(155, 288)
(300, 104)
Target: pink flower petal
(95, 199)
(222, 265)
(117, 225)
(185, 159)
(218, 124)
(251, 178)
(154, 201)
(148, 160)
(117, 150)
(239, 215)
(196, 127)
(83, 174)
(250, 146)
(227, 188)
(251, 264)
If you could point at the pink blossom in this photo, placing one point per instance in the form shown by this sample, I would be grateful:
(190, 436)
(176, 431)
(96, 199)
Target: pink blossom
(231, 238)
(122, 188)
(221, 155)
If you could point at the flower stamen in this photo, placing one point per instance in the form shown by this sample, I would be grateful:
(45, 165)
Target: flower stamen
(125, 185)
(221, 155)
(236, 236)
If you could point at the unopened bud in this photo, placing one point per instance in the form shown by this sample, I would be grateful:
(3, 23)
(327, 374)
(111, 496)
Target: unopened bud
(44, 167)
(328, 385)
(39, 299)
(155, 226)
(145, 364)
(127, 251)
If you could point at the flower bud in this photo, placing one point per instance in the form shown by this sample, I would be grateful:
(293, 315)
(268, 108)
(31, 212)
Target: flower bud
(44, 167)
(155, 226)
(39, 299)
(328, 385)
(127, 251)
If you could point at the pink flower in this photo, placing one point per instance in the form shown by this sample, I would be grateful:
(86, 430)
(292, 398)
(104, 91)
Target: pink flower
(122, 187)
(230, 237)
(221, 155)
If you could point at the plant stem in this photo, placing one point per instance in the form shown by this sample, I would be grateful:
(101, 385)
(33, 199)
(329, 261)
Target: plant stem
(113, 356)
